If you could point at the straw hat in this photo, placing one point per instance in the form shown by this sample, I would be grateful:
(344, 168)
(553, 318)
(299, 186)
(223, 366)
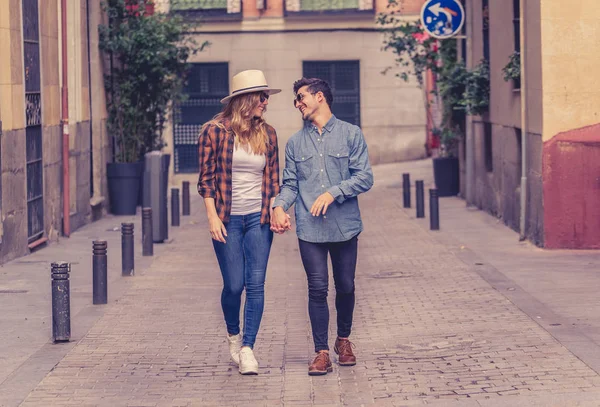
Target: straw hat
(247, 82)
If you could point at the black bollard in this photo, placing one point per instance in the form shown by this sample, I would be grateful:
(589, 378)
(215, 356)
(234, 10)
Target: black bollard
(406, 189)
(127, 260)
(434, 214)
(420, 199)
(185, 198)
(174, 207)
(61, 302)
(147, 241)
(99, 272)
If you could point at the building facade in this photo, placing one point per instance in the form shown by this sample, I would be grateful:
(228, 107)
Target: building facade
(34, 196)
(335, 40)
(543, 127)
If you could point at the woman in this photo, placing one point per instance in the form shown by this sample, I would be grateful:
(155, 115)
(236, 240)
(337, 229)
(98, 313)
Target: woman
(239, 178)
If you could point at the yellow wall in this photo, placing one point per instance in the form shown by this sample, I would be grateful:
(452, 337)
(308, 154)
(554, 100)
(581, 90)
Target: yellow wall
(570, 61)
(12, 96)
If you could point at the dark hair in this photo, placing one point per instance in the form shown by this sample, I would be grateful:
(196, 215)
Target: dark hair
(315, 85)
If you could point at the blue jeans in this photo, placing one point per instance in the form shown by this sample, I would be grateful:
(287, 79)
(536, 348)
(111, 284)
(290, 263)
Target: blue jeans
(243, 262)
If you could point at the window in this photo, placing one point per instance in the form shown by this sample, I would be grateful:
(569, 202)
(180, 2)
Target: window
(487, 147)
(517, 34)
(33, 114)
(485, 12)
(516, 24)
(344, 79)
(206, 85)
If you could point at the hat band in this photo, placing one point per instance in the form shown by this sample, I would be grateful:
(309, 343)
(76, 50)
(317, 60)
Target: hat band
(252, 87)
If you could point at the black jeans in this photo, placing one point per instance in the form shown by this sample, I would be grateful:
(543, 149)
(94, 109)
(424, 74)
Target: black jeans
(343, 259)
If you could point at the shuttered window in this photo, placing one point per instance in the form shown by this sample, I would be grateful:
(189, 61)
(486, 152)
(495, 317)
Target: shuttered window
(207, 84)
(344, 79)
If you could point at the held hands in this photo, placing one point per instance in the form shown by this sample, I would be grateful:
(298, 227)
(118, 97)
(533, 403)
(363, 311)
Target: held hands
(280, 221)
(217, 229)
(321, 204)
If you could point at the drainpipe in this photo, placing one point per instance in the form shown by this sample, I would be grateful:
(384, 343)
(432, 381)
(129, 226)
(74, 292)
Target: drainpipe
(524, 138)
(65, 124)
(90, 101)
(469, 147)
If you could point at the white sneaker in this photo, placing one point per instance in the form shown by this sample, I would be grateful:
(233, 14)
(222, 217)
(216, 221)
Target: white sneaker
(248, 364)
(235, 344)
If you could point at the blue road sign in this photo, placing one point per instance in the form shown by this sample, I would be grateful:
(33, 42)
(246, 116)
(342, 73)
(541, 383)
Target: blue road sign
(442, 18)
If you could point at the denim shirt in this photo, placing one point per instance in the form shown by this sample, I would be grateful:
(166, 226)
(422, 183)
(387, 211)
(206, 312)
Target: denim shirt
(336, 161)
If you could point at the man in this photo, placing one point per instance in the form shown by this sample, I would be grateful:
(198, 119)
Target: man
(326, 167)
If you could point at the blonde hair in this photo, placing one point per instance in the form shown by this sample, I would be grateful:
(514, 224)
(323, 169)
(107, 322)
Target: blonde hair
(250, 132)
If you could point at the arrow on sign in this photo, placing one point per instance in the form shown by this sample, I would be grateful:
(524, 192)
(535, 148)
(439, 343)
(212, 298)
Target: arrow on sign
(437, 9)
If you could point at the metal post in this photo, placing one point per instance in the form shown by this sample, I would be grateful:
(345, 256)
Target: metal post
(406, 189)
(185, 198)
(420, 199)
(434, 214)
(99, 273)
(61, 302)
(147, 241)
(174, 207)
(127, 260)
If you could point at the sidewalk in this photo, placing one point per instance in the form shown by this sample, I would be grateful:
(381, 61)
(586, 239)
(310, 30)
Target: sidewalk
(442, 318)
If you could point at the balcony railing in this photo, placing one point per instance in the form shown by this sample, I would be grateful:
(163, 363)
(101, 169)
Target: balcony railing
(208, 9)
(199, 5)
(323, 5)
(328, 6)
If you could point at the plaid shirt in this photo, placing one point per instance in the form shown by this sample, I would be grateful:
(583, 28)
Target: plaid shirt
(216, 158)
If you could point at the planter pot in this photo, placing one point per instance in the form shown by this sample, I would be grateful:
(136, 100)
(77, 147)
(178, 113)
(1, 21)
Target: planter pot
(123, 187)
(446, 176)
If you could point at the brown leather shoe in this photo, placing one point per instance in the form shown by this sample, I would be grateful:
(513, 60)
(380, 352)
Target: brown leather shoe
(343, 347)
(320, 365)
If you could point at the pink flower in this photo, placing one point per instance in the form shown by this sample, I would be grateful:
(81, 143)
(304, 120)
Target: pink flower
(421, 37)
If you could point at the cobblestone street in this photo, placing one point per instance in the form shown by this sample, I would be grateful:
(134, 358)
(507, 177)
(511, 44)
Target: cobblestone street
(428, 330)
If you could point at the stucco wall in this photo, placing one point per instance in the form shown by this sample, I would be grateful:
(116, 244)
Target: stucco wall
(570, 37)
(571, 104)
(392, 111)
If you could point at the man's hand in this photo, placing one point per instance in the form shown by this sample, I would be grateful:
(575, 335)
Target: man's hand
(280, 221)
(321, 204)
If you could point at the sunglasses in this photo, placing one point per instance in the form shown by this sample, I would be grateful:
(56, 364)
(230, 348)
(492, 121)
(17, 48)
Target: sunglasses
(299, 98)
(264, 97)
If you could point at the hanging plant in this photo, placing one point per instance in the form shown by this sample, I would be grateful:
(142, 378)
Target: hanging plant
(415, 50)
(512, 70)
(462, 91)
(476, 98)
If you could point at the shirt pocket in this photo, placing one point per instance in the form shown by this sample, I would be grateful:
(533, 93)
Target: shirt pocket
(304, 165)
(338, 165)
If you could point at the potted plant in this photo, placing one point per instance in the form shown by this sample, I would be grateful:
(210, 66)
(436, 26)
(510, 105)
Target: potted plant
(453, 77)
(147, 55)
(461, 91)
(512, 70)
(445, 166)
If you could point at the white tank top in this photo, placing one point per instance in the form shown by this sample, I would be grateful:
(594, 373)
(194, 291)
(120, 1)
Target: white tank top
(246, 182)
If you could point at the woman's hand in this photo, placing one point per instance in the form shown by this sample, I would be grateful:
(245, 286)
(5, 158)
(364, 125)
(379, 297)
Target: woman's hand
(217, 230)
(280, 221)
